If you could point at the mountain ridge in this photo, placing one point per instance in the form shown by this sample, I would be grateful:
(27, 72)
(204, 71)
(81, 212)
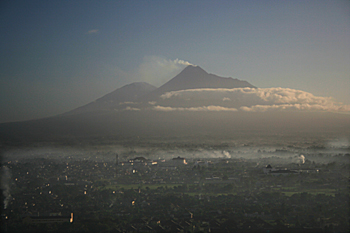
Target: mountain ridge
(192, 77)
(129, 112)
(138, 94)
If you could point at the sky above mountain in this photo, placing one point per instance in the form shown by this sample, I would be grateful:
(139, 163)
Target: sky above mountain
(58, 55)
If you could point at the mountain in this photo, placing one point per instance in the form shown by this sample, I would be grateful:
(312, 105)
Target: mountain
(138, 94)
(195, 77)
(137, 111)
(114, 100)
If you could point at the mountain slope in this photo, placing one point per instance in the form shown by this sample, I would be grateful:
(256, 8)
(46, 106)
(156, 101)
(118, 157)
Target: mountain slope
(128, 93)
(122, 125)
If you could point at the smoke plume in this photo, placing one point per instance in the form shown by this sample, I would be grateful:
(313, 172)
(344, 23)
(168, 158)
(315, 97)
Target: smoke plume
(5, 184)
(157, 70)
(226, 154)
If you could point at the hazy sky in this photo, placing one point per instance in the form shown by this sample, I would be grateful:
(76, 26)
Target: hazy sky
(58, 55)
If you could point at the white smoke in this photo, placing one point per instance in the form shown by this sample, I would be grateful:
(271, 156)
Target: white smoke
(5, 184)
(182, 62)
(154, 70)
(157, 70)
(226, 154)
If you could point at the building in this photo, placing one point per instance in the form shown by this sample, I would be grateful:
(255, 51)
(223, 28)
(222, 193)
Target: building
(179, 161)
(200, 164)
(138, 163)
(283, 172)
(48, 219)
(267, 169)
(278, 172)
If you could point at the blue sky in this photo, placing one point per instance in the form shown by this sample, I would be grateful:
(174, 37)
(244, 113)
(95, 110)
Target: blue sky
(58, 55)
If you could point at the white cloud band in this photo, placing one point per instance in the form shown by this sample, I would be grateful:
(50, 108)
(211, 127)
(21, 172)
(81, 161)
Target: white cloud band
(258, 99)
(195, 109)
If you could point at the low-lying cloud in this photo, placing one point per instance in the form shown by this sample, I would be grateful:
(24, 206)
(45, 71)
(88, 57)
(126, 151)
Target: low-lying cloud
(254, 100)
(132, 109)
(195, 109)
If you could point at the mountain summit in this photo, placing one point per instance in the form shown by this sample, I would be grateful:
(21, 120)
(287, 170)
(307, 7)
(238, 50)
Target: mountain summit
(195, 77)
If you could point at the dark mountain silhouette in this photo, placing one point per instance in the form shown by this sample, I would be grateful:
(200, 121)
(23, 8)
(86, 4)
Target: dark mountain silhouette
(114, 100)
(98, 120)
(195, 77)
(136, 95)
